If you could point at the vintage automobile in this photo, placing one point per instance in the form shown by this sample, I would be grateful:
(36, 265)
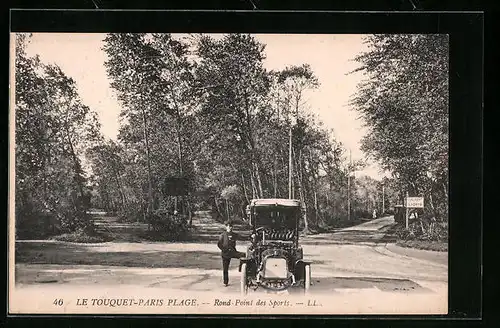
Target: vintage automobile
(274, 260)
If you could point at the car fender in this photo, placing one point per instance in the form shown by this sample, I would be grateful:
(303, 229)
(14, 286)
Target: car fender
(299, 268)
(244, 260)
(303, 262)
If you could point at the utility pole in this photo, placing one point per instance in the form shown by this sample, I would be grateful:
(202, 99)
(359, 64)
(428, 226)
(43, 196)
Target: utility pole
(406, 210)
(349, 187)
(383, 198)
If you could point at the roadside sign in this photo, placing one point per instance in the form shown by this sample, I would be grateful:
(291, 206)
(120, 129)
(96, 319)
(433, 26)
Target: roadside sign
(415, 202)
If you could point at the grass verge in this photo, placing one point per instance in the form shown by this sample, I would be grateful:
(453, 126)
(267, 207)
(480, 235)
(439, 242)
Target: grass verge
(79, 237)
(424, 245)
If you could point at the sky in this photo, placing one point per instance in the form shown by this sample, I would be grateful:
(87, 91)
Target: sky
(330, 56)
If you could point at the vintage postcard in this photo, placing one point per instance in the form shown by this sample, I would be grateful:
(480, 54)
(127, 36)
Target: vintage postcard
(257, 174)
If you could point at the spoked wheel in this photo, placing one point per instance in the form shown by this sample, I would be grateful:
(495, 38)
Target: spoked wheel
(307, 278)
(243, 279)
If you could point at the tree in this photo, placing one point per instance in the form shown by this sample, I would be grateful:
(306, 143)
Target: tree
(232, 85)
(210, 111)
(295, 80)
(106, 160)
(152, 76)
(246, 116)
(53, 128)
(404, 102)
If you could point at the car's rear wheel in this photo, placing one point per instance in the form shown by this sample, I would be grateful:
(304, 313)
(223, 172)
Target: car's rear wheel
(307, 278)
(243, 279)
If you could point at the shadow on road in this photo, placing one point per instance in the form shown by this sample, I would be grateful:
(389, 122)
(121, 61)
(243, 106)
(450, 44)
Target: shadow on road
(206, 229)
(81, 254)
(83, 275)
(326, 285)
(353, 236)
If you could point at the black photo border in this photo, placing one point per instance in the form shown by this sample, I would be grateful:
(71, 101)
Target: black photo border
(465, 30)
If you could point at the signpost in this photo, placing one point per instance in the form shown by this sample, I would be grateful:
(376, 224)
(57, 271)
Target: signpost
(415, 202)
(412, 202)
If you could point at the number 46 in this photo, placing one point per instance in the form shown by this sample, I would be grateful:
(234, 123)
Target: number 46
(58, 302)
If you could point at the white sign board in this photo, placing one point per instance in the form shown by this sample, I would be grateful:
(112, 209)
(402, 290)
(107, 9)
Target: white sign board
(415, 202)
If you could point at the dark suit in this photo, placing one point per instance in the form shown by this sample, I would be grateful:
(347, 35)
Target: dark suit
(227, 245)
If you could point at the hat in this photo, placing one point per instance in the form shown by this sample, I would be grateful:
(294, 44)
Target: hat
(228, 223)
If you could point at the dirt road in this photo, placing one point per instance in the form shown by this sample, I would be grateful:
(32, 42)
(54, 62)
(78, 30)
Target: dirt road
(348, 260)
(352, 265)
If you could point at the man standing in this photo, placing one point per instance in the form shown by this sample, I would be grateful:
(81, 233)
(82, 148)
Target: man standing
(227, 245)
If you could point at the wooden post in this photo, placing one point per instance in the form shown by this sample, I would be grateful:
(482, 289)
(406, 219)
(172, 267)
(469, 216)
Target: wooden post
(406, 210)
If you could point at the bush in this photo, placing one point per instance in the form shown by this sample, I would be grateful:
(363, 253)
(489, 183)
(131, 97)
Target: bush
(389, 211)
(361, 214)
(74, 221)
(35, 225)
(425, 230)
(169, 227)
(81, 236)
(35, 222)
(424, 245)
(131, 213)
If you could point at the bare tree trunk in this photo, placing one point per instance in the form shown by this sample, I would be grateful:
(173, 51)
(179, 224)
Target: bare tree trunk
(445, 189)
(118, 184)
(254, 164)
(431, 203)
(190, 211)
(259, 181)
(143, 215)
(283, 165)
(304, 202)
(275, 178)
(252, 181)
(76, 164)
(178, 120)
(316, 207)
(148, 158)
(178, 129)
(44, 171)
(45, 153)
(306, 221)
(315, 186)
(301, 190)
(244, 187)
(217, 206)
(179, 144)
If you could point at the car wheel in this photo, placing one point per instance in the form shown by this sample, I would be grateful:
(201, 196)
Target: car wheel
(243, 279)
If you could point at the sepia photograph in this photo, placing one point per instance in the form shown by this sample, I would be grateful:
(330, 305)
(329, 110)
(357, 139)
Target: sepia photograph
(294, 174)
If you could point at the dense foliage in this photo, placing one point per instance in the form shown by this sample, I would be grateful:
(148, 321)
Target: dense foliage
(404, 102)
(53, 127)
(205, 109)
